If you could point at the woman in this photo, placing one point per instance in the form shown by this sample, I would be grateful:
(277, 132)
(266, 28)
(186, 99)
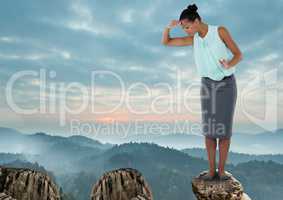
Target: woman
(218, 84)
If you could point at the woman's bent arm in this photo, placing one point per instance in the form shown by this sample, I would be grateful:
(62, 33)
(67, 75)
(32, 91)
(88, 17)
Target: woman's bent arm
(230, 43)
(177, 41)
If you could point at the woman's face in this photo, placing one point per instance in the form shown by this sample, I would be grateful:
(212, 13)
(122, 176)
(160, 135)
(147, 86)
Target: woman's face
(189, 26)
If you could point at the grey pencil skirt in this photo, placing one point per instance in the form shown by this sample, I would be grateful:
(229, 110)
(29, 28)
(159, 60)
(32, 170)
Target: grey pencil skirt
(218, 100)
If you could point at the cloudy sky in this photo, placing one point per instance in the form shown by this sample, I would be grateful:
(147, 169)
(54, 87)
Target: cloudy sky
(51, 49)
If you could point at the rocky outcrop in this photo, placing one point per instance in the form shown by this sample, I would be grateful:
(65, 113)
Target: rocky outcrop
(4, 196)
(121, 184)
(26, 184)
(230, 189)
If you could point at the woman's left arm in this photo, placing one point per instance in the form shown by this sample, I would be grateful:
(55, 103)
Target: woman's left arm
(229, 42)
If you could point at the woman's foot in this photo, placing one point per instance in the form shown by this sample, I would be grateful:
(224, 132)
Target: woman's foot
(223, 176)
(209, 176)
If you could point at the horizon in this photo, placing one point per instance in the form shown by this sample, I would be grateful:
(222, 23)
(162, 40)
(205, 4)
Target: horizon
(93, 137)
(263, 145)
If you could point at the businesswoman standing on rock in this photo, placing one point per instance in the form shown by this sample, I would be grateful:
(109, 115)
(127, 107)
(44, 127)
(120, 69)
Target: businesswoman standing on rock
(218, 83)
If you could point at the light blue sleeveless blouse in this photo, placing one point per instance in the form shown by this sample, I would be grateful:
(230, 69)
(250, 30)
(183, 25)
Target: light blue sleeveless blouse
(207, 53)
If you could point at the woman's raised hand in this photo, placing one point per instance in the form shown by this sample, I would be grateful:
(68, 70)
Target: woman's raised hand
(173, 23)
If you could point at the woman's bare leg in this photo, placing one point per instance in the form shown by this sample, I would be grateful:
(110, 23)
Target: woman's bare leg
(224, 145)
(211, 145)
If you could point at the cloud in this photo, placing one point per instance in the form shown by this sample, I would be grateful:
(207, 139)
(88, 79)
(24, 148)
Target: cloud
(76, 37)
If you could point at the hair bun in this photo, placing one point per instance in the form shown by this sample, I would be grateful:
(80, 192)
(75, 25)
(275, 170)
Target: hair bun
(192, 8)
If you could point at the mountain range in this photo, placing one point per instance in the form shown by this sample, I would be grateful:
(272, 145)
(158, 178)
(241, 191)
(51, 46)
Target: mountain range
(77, 162)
